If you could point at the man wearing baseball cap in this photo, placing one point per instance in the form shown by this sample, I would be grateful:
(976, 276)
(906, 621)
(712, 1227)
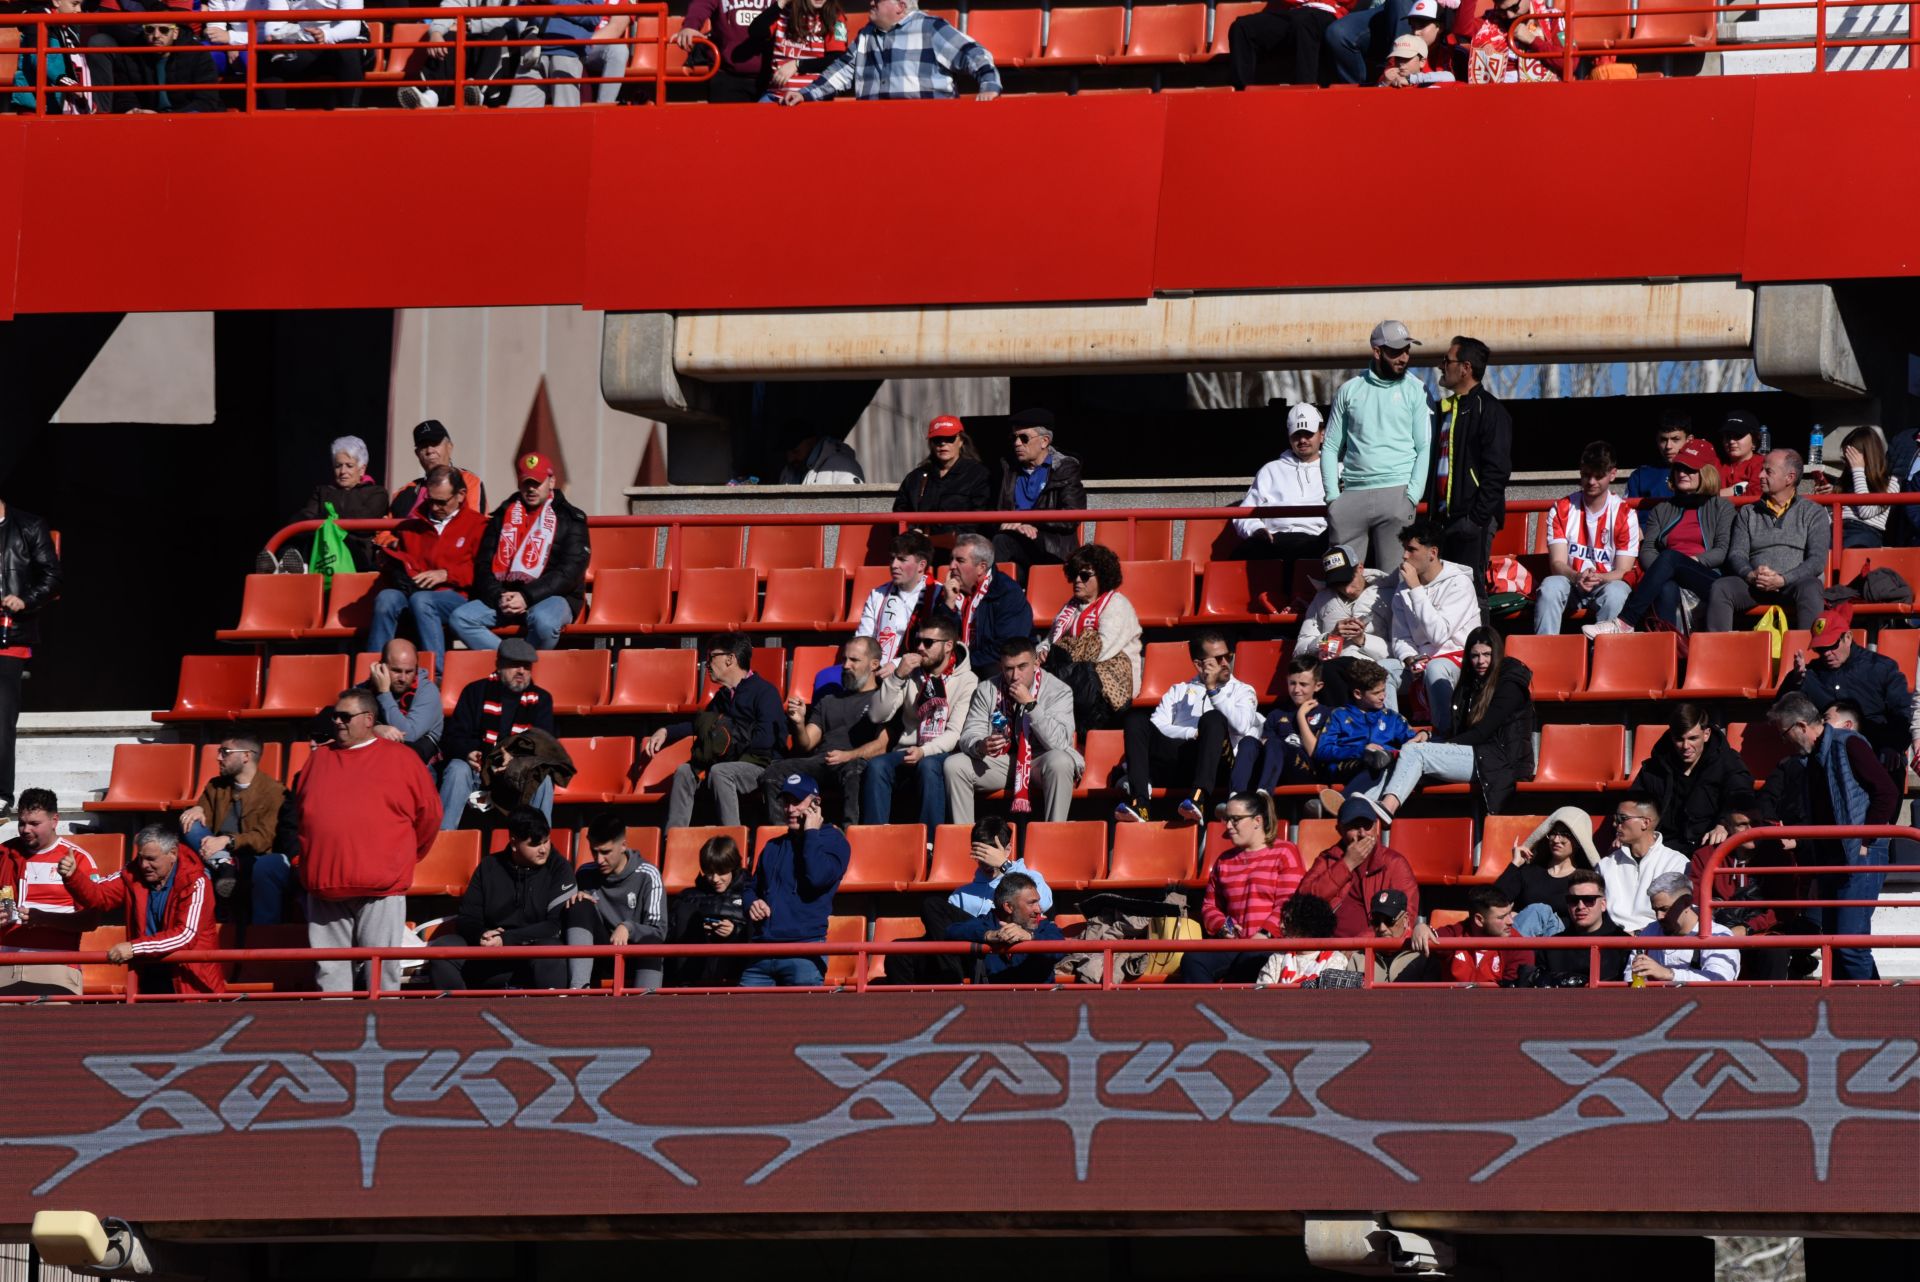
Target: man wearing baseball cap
(1379, 439)
(952, 479)
(793, 883)
(1350, 618)
(1364, 36)
(1036, 477)
(531, 569)
(1351, 872)
(1292, 480)
(1740, 434)
(433, 447)
(1840, 671)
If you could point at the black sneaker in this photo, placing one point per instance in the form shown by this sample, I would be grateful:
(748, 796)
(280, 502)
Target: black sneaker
(1377, 759)
(224, 877)
(476, 96)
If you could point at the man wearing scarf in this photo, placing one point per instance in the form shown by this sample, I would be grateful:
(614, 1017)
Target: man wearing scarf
(923, 700)
(987, 606)
(531, 569)
(1018, 736)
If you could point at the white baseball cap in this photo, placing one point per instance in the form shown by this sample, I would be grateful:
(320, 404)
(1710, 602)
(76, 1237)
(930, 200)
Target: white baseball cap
(1427, 9)
(1303, 418)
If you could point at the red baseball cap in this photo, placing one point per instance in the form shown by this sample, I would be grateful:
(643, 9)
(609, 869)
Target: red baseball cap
(1832, 625)
(1696, 454)
(534, 467)
(944, 428)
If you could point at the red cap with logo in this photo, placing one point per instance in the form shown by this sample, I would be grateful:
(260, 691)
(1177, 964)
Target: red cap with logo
(535, 467)
(1696, 454)
(1832, 625)
(944, 428)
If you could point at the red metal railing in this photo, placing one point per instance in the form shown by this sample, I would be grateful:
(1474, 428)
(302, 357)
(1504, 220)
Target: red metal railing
(457, 45)
(1572, 14)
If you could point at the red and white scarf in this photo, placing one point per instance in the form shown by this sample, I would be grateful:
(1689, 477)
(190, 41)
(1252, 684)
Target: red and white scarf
(1021, 728)
(934, 710)
(526, 541)
(492, 708)
(1077, 618)
(967, 608)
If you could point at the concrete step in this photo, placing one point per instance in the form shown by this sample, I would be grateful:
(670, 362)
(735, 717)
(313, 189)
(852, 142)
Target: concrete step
(72, 752)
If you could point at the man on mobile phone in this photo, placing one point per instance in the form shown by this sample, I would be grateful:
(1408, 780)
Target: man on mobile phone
(793, 887)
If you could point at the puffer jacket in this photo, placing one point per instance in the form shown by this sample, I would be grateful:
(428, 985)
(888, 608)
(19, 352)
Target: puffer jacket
(1502, 740)
(1691, 805)
(29, 569)
(1062, 493)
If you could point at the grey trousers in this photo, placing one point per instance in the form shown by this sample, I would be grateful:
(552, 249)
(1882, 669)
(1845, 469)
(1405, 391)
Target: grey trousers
(607, 60)
(1360, 517)
(355, 923)
(1053, 778)
(551, 66)
(730, 781)
(1731, 595)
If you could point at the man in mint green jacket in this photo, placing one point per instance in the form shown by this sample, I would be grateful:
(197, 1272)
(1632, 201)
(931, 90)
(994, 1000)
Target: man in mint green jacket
(1375, 461)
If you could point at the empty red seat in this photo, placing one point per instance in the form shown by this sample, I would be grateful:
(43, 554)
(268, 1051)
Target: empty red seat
(1104, 752)
(843, 929)
(1161, 591)
(1048, 592)
(603, 767)
(859, 545)
(577, 679)
(1167, 33)
(349, 606)
(1163, 665)
(1601, 32)
(680, 857)
(625, 601)
(1245, 591)
(621, 547)
(809, 661)
(886, 857)
(865, 579)
(1136, 540)
(655, 681)
(1902, 645)
(299, 685)
(812, 600)
(1558, 664)
(642, 842)
(1224, 16)
(146, 776)
(887, 930)
(655, 783)
(1440, 850)
(1149, 856)
(700, 547)
(449, 865)
(214, 687)
(1263, 665)
(108, 850)
(785, 547)
(1729, 665)
(277, 607)
(1579, 758)
(1070, 856)
(1632, 665)
(1655, 25)
(464, 667)
(1012, 36)
(712, 600)
(1084, 36)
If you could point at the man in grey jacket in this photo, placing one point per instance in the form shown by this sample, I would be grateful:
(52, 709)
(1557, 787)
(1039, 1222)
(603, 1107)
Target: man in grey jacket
(407, 698)
(621, 900)
(1018, 736)
(1779, 552)
(923, 701)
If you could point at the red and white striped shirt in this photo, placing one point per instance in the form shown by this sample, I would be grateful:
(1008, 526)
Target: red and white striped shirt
(822, 42)
(1249, 887)
(1594, 541)
(37, 887)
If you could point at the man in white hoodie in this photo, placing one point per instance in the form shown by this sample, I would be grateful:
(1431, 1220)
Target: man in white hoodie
(1434, 609)
(1292, 480)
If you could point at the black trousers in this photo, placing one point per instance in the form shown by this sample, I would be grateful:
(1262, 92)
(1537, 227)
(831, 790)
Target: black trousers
(1219, 968)
(107, 68)
(320, 62)
(1295, 32)
(732, 86)
(1470, 545)
(1186, 765)
(1010, 545)
(936, 914)
(486, 973)
(1283, 547)
(11, 671)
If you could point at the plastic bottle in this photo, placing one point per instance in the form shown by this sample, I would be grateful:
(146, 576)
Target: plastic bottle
(1815, 444)
(7, 906)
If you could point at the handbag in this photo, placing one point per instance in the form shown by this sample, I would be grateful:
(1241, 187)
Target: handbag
(1773, 620)
(1171, 928)
(1115, 675)
(331, 555)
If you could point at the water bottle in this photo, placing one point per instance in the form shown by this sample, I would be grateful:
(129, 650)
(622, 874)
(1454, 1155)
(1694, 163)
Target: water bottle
(999, 721)
(1814, 444)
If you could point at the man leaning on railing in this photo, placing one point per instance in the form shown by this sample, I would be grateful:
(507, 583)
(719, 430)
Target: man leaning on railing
(904, 53)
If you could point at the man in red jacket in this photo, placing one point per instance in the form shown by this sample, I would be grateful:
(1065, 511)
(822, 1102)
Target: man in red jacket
(168, 903)
(368, 813)
(1489, 916)
(1348, 875)
(429, 567)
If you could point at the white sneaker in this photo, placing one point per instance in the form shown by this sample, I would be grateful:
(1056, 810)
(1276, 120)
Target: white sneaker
(414, 97)
(1610, 627)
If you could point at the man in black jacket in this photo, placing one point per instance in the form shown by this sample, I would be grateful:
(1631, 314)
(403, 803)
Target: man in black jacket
(1587, 910)
(490, 711)
(517, 898)
(29, 581)
(740, 730)
(531, 569)
(1472, 458)
(1038, 478)
(179, 82)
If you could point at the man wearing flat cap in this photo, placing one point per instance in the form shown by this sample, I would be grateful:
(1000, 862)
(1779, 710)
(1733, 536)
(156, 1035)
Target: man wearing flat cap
(1038, 478)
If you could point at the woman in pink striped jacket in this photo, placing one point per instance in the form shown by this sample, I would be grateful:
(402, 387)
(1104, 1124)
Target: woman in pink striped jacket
(1245, 891)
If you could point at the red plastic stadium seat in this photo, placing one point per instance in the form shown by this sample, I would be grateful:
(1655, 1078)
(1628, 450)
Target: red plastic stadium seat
(1903, 561)
(1440, 850)
(812, 600)
(1558, 663)
(1511, 538)
(808, 662)
(1161, 591)
(865, 579)
(654, 681)
(449, 866)
(391, 64)
(860, 545)
(646, 50)
(785, 547)
(207, 765)
(1902, 645)
(604, 765)
(656, 772)
(100, 978)
(349, 606)
(1149, 856)
(1645, 739)
(1729, 665)
(1104, 751)
(1317, 835)
(715, 600)
(1245, 591)
(277, 607)
(704, 547)
(680, 860)
(1152, 540)
(299, 685)
(1069, 855)
(1655, 25)
(1263, 665)
(1224, 16)
(1167, 33)
(888, 930)
(108, 849)
(953, 864)
(1012, 36)
(1446, 917)
(1577, 758)
(1759, 745)
(577, 679)
(1048, 592)
(214, 687)
(642, 842)
(1084, 37)
(1602, 32)
(1635, 665)
(1163, 665)
(844, 930)
(1496, 846)
(621, 547)
(886, 857)
(464, 667)
(1215, 844)
(626, 601)
(297, 753)
(147, 776)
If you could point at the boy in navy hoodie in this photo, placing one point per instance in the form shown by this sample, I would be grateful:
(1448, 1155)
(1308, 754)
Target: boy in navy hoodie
(793, 887)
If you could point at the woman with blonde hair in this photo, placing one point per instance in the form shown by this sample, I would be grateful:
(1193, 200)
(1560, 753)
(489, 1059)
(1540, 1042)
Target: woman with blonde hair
(1684, 543)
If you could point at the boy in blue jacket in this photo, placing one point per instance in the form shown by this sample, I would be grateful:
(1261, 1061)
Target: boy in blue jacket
(1360, 737)
(793, 887)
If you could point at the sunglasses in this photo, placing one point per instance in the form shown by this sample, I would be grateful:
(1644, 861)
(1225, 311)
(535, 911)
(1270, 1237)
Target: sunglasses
(1081, 576)
(921, 643)
(1021, 438)
(1620, 819)
(343, 717)
(1583, 901)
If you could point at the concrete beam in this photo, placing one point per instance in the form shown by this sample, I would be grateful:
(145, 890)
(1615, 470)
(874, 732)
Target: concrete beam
(1802, 344)
(1629, 321)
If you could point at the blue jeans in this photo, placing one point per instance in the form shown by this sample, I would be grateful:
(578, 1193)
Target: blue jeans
(1364, 36)
(1852, 963)
(270, 876)
(457, 782)
(1268, 764)
(876, 789)
(1537, 921)
(430, 611)
(782, 972)
(474, 623)
(1661, 584)
(1558, 594)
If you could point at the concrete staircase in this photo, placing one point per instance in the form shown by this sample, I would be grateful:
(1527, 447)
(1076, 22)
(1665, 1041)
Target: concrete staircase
(72, 753)
(1855, 23)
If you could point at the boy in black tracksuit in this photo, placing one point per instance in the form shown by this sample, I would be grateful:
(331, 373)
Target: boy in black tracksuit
(516, 898)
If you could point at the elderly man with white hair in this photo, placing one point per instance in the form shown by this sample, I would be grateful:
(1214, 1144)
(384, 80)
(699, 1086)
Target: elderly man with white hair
(352, 493)
(904, 53)
(1675, 917)
(1036, 477)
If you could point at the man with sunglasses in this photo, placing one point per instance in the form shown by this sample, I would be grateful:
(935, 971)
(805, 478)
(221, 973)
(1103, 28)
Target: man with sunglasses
(1638, 858)
(923, 701)
(236, 818)
(1587, 914)
(368, 813)
(1379, 439)
(1038, 478)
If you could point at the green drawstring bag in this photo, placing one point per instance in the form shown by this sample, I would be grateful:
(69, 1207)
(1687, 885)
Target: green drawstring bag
(331, 555)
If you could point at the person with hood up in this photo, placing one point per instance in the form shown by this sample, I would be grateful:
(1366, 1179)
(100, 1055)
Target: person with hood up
(518, 897)
(1696, 777)
(1537, 878)
(1292, 480)
(354, 496)
(1037, 478)
(815, 459)
(1434, 608)
(1379, 439)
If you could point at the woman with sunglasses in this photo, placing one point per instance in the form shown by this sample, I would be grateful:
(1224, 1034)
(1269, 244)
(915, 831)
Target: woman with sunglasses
(1684, 545)
(1095, 642)
(1536, 880)
(1246, 891)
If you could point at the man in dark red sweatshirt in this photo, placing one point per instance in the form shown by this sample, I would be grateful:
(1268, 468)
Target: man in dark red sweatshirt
(368, 813)
(743, 52)
(1362, 865)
